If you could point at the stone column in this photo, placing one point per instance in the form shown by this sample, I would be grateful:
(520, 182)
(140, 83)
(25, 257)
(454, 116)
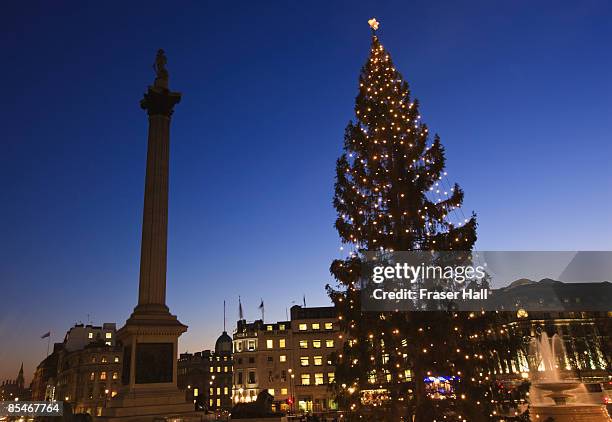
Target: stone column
(159, 102)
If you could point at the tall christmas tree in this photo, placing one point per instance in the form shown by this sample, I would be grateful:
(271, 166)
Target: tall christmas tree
(386, 181)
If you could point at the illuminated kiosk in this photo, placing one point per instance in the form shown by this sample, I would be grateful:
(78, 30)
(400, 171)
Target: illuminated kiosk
(150, 336)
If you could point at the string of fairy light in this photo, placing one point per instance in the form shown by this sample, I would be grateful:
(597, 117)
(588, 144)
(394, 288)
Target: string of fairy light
(392, 130)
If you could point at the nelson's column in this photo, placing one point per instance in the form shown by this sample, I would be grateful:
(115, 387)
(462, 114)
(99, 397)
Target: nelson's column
(150, 336)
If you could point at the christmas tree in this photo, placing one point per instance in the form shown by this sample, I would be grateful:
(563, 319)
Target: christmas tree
(390, 195)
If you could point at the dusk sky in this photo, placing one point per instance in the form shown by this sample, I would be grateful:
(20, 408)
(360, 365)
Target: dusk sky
(519, 91)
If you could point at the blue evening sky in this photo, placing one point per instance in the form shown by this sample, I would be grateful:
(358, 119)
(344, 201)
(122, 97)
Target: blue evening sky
(520, 92)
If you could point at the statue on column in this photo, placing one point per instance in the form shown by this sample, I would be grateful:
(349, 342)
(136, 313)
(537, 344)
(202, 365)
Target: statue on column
(161, 79)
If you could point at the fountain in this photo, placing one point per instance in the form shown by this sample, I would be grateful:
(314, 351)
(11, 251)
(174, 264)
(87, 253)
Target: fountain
(546, 352)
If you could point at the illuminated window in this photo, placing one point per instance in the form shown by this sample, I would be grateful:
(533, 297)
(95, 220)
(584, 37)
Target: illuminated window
(115, 375)
(103, 375)
(211, 391)
(116, 359)
(104, 360)
(316, 326)
(281, 343)
(269, 344)
(218, 369)
(196, 392)
(283, 358)
(108, 343)
(218, 391)
(329, 326)
(113, 393)
(109, 335)
(218, 402)
(225, 391)
(303, 327)
(212, 369)
(303, 344)
(305, 379)
(281, 327)
(225, 369)
(90, 335)
(316, 344)
(269, 328)
(92, 376)
(331, 377)
(329, 343)
(271, 391)
(317, 360)
(211, 402)
(251, 345)
(304, 361)
(283, 391)
(318, 379)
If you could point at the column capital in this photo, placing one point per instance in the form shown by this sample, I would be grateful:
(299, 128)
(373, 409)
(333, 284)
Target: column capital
(159, 101)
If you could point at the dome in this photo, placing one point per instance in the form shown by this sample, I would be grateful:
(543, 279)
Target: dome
(223, 344)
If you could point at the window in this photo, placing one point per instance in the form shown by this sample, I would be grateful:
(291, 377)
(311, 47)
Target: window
(329, 326)
(90, 335)
(116, 359)
(108, 343)
(269, 344)
(282, 358)
(115, 375)
(252, 377)
(239, 378)
(269, 328)
(318, 360)
(92, 376)
(283, 391)
(218, 391)
(109, 335)
(281, 327)
(305, 379)
(331, 377)
(329, 343)
(218, 402)
(281, 343)
(303, 327)
(225, 391)
(211, 402)
(103, 375)
(283, 376)
(218, 369)
(251, 345)
(271, 391)
(318, 379)
(251, 359)
(270, 359)
(304, 361)
(212, 369)
(104, 359)
(316, 326)
(316, 344)
(196, 392)
(225, 369)
(303, 344)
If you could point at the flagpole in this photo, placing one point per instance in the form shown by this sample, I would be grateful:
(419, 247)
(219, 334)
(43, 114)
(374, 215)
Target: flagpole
(48, 343)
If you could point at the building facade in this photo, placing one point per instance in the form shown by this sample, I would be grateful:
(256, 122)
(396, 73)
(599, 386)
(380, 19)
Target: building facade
(206, 377)
(289, 359)
(89, 367)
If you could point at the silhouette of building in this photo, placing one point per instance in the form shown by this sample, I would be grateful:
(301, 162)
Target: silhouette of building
(206, 376)
(45, 377)
(15, 389)
(291, 360)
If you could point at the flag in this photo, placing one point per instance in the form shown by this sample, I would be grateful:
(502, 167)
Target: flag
(47, 334)
(240, 312)
(261, 305)
(304, 300)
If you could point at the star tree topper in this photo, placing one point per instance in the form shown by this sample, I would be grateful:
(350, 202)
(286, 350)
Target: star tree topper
(374, 24)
